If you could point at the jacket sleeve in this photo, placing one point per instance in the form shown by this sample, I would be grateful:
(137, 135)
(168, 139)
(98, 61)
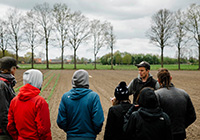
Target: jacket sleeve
(130, 88)
(62, 115)
(108, 135)
(190, 114)
(43, 120)
(4, 107)
(11, 127)
(97, 114)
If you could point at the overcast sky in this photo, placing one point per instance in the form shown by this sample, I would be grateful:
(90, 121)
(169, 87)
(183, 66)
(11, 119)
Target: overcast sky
(130, 19)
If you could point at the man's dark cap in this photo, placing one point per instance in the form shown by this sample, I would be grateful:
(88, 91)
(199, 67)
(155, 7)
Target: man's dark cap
(143, 64)
(8, 62)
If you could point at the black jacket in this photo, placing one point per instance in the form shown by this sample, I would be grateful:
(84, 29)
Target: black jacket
(7, 81)
(148, 124)
(115, 120)
(136, 85)
(177, 104)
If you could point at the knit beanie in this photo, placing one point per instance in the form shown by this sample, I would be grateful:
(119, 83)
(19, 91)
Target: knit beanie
(121, 91)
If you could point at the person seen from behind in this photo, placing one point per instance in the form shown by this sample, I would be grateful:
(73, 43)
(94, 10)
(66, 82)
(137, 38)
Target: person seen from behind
(8, 66)
(149, 122)
(28, 116)
(176, 103)
(144, 79)
(80, 113)
(115, 118)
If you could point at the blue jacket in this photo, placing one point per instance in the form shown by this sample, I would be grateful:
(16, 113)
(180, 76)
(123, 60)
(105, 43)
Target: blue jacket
(80, 113)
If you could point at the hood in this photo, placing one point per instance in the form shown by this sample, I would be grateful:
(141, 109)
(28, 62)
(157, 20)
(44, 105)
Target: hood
(150, 114)
(147, 98)
(27, 92)
(33, 77)
(80, 79)
(78, 93)
(9, 77)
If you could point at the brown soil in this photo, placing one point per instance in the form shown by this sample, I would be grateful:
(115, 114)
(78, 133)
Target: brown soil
(104, 82)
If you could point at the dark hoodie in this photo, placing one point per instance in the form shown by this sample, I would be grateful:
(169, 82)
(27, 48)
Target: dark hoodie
(149, 122)
(7, 82)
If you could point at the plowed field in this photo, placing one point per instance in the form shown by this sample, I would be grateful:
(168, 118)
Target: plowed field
(57, 82)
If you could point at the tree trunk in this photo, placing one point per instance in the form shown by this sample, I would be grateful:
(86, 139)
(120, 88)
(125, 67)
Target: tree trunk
(32, 59)
(62, 51)
(95, 59)
(16, 48)
(74, 58)
(112, 57)
(179, 53)
(16, 55)
(47, 60)
(162, 57)
(4, 51)
(199, 57)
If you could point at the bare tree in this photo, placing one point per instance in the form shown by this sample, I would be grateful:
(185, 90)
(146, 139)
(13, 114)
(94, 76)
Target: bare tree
(61, 14)
(44, 19)
(15, 26)
(98, 31)
(30, 29)
(4, 36)
(79, 31)
(180, 38)
(110, 40)
(193, 20)
(161, 29)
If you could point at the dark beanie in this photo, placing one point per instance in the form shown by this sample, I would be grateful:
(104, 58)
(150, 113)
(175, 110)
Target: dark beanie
(121, 91)
(147, 98)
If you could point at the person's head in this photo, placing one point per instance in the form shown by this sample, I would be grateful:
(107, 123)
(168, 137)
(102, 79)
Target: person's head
(33, 77)
(80, 79)
(147, 98)
(164, 77)
(121, 93)
(8, 65)
(143, 68)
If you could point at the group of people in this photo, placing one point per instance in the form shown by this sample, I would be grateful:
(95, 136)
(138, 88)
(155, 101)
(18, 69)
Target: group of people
(159, 110)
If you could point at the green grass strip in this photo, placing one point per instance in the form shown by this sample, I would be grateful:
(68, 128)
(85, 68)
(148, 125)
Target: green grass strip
(47, 74)
(52, 90)
(46, 84)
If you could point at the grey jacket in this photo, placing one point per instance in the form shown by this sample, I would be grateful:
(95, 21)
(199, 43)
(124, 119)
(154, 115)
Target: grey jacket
(177, 104)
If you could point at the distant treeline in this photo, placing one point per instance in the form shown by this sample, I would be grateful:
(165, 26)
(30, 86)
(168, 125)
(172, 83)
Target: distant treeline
(125, 58)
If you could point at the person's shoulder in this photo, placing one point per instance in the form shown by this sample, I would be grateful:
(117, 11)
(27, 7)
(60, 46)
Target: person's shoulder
(182, 91)
(93, 93)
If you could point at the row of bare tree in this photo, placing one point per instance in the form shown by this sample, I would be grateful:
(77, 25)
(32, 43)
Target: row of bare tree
(61, 27)
(57, 25)
(180, 28)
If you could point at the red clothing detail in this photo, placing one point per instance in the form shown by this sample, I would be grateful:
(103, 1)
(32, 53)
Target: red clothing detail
(28, 116)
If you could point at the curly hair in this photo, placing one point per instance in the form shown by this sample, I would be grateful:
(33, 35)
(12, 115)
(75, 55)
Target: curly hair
(164, 77)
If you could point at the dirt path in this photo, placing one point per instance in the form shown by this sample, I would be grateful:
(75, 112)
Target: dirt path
(104, 82)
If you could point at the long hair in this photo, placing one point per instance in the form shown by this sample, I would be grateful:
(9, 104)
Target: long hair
(117, 102)
(164, 77)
